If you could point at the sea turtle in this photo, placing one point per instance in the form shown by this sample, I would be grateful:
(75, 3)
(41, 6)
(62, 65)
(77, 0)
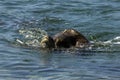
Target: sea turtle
(64, 39)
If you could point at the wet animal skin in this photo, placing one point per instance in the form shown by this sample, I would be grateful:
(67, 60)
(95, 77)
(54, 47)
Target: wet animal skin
(64, 39)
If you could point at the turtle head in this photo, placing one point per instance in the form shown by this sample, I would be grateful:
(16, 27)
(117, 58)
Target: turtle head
(47, 42)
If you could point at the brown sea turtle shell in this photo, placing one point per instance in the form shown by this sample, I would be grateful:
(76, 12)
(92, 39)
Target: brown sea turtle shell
(69, 38)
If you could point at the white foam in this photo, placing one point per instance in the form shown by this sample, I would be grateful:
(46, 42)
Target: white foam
(108, 42)
(31, 36)
(19, 41)
(117, 38)
(115, 41)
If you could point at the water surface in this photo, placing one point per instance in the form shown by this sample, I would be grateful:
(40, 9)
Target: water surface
(98, 20)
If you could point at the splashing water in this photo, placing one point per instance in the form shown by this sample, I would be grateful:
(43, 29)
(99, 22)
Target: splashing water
(31, 36)
(115, 41)
(109, 45)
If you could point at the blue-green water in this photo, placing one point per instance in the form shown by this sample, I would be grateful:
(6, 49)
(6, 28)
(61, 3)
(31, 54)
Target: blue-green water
(99, 19)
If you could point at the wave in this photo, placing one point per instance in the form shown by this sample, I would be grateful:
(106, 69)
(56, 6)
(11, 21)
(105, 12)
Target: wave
(114, 41)
(32, 36)
(112, 45)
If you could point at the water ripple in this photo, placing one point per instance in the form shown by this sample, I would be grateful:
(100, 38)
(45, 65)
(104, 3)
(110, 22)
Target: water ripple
(98, 20)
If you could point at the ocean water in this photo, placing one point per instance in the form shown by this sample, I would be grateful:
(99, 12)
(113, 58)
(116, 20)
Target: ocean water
(24, 22)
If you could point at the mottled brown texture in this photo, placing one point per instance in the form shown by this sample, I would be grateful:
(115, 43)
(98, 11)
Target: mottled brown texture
(69, 38)
(47, 42)
(65, 39)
